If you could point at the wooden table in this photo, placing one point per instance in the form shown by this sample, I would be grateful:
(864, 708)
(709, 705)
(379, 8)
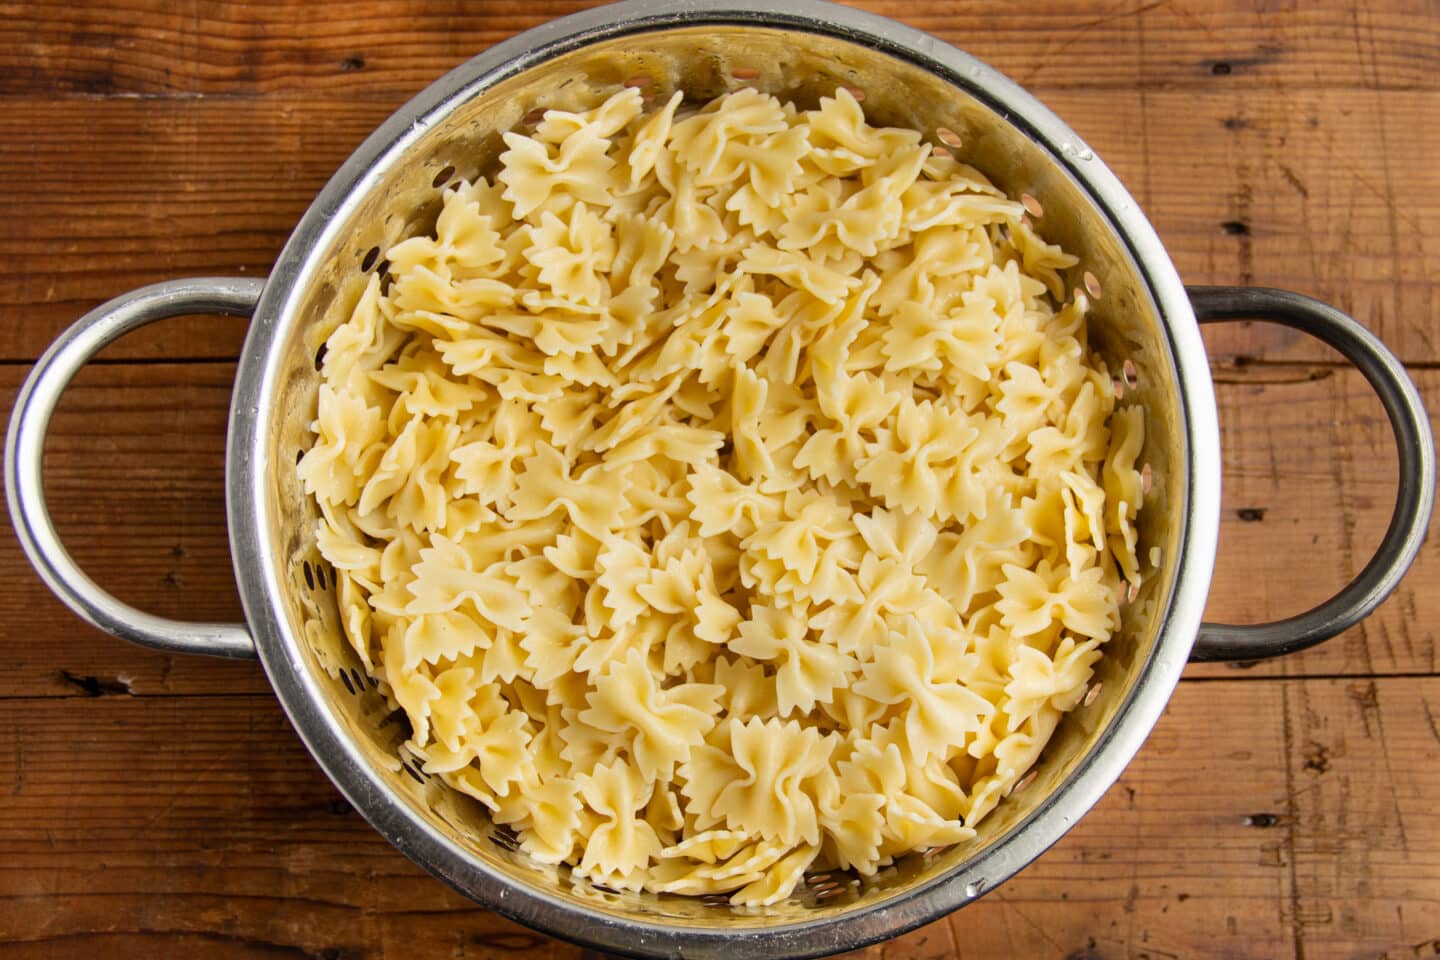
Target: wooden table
(161, 806)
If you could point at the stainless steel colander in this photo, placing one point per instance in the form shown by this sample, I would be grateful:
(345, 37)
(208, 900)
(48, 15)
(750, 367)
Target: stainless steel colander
(1145, 322)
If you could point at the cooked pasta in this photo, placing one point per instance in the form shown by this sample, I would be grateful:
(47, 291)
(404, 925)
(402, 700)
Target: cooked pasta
(725, 493)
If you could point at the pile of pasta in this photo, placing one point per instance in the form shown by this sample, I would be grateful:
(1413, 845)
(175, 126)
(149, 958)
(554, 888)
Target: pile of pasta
(725, 493)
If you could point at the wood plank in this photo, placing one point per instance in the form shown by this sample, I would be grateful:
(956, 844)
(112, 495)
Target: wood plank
(1297, 189)
(1309, 472)
(202, 827)
(134, 476)
(113, 195)
(149, 47)
(1310, 458)
(228, 837)
(1363, 760)
(1325, 192)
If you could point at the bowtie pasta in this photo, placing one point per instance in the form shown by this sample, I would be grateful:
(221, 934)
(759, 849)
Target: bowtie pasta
(725, 493)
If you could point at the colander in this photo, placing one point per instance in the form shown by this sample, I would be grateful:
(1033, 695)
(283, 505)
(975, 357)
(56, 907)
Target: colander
(1144, 324)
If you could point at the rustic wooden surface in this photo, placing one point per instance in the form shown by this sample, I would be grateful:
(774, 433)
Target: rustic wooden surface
(160, 806)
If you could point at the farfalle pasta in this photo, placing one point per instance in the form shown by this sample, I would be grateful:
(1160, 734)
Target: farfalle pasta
(725, 493)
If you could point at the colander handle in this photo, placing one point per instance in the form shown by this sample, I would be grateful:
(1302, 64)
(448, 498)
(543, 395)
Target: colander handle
(25, 448)
(1413, 503)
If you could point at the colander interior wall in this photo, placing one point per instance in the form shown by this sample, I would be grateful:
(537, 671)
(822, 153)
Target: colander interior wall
(703, 62)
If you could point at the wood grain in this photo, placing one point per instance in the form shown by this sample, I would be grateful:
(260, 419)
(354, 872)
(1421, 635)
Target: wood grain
(202, 827)
(134, 476)
(154, 48)
(1366, 860)
(112, 195)
(1309, 483)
